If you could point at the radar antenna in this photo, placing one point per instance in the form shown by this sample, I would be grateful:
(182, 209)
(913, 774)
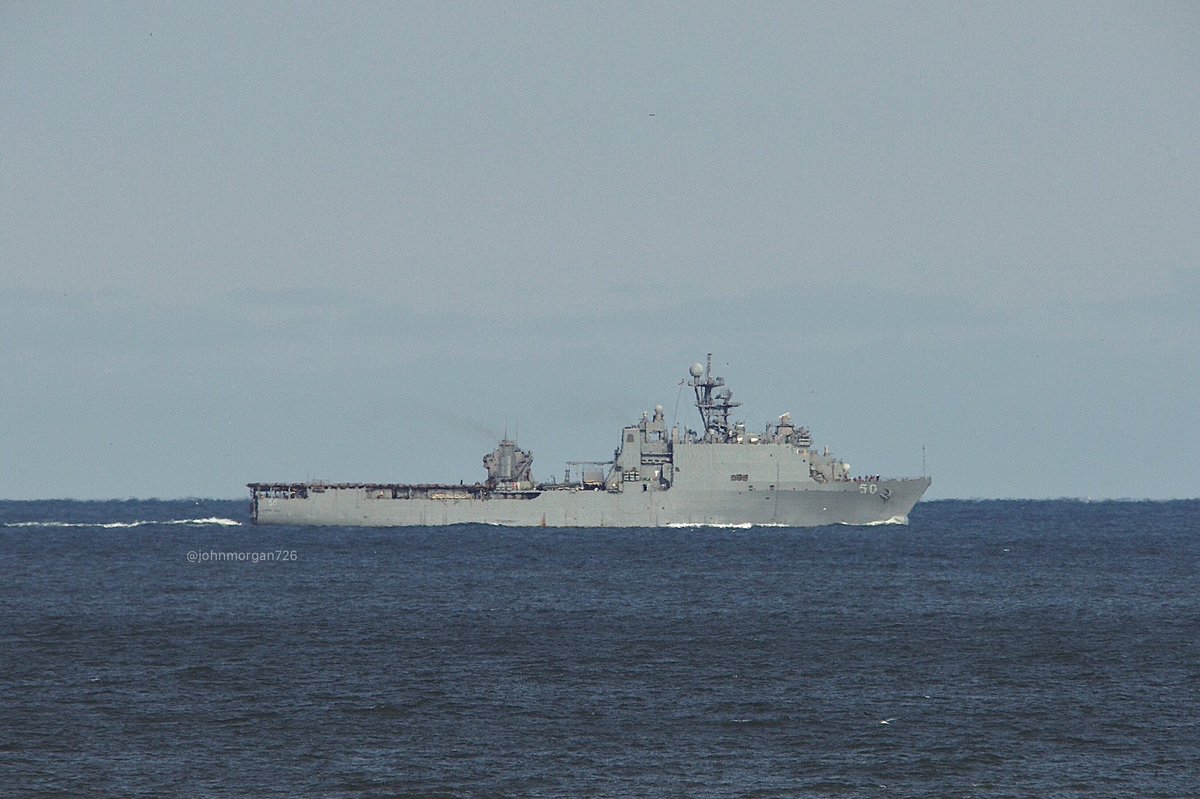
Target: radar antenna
(714, 406)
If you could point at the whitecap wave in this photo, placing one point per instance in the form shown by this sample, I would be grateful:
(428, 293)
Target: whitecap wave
(893, 520)
(217, 520)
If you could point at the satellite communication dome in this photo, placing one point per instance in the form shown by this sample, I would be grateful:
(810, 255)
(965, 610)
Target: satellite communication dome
(696, 370)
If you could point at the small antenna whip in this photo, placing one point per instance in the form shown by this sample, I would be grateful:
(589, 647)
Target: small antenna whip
(679, 396)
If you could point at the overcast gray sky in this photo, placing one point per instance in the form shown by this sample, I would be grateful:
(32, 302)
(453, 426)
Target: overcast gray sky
(266, 241)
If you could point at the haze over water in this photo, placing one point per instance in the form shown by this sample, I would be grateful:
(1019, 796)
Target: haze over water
(320, 240)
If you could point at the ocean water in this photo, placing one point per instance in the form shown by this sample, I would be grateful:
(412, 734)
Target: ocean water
(1018, 649)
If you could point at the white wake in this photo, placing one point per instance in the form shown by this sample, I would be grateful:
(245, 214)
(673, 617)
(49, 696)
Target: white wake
(210, 520)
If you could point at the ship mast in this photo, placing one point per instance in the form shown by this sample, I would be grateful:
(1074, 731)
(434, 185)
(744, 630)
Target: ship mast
(714, 406)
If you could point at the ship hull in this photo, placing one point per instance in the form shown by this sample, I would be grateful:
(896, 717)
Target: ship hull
(854, 503)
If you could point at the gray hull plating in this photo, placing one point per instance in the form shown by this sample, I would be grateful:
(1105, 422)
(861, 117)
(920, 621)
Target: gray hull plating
(837, 503)
(658, 477)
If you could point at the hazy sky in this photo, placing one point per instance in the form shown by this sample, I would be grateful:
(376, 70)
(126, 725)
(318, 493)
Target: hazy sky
(267, 241)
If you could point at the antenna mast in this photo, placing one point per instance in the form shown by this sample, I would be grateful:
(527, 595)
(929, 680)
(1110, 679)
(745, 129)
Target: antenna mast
(714, 406)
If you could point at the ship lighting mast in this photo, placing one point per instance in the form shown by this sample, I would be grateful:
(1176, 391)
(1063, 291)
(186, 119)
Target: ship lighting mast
(714, 406)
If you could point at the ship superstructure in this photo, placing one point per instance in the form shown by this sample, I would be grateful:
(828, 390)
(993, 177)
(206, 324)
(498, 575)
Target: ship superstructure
(721, 474)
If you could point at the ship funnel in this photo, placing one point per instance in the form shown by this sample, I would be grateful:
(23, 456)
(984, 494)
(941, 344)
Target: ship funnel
(509, 465)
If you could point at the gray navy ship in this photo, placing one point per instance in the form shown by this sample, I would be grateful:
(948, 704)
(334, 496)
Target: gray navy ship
(721, 475)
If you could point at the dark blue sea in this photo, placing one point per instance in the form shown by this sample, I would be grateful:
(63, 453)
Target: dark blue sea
(1016, 649)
